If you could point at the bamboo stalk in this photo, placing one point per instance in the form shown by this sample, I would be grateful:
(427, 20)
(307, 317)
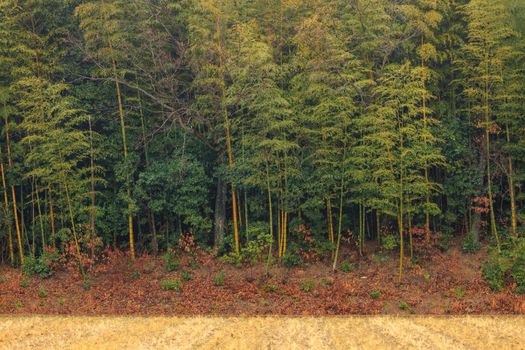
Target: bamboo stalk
(13, 195)
(7, 212)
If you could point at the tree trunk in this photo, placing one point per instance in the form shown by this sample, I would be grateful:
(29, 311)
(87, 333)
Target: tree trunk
(7, 213)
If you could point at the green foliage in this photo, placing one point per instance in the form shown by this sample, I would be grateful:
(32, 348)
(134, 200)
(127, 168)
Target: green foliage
(375, 294)
(291, 260)
(135, 275)
(232, 259)
(218, 280)
(459, 292)
(347, 266)
(86, 282)
(389, 242)
(494, 272)
(254, 251)
(444, 241)
(271, 287)
(37, 266)
(173, 284)
(517, 256)
(403, 306)
(186, 276)
(518, 273)
(470, 245)
(507, 265)
(170, 262)
(42, 293)
(2, 279)
(399, 109)
(24, 283)
(307, 286)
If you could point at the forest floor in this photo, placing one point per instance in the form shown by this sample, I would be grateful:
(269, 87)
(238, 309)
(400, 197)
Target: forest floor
(442, 284)
(376, 332)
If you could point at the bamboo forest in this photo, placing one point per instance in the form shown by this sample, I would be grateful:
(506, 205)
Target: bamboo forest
(262, 156)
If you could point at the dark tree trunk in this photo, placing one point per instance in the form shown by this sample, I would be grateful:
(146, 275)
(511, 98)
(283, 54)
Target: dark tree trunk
(476, 216)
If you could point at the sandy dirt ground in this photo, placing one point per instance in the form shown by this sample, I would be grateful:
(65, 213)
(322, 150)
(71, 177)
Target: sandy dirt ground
(383, 332)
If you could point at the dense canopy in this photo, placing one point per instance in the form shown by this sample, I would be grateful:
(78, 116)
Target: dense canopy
(139, 124)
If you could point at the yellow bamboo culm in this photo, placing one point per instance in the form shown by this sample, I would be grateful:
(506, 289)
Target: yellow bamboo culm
(285, 219)
(124, 145)
(227, 130)
(330, 221)
(425, 123)
(7, 216)
(513, 214)
(278, 232)
(51, 215)
(13, 195)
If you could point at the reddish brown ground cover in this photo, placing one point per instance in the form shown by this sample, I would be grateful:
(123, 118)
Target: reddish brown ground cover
(445, 283)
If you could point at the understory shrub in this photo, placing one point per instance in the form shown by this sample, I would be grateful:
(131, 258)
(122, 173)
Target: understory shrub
(346, 266)
(494, 272)
(40, 266)
(174, 284)
(255, 251)
(470, 245)
(218, 280)
(375, 294)
(507, 266)
(444, 241)
(307, 286)
(170, 261)
(292, 260)
(389, 242)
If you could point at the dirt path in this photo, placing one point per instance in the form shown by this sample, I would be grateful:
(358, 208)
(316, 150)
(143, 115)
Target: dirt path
(42, 332)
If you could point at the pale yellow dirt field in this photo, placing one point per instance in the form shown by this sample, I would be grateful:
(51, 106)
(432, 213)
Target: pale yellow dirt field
(262, 333)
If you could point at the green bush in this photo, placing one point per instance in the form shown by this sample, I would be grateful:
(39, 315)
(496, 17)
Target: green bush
(346, 266)
(322, 247)
(292, 260)
(494, 272)
(389, 242)
(518, 273)
(37, 266)
(231, 259)
(2, 279)
(173, 284)
(135, 275)
(509, 265)
(459, 292)
(186, 276)
(444, 241)
(517, 254)
(403, 306)
(271, 287)
(254, 251)
(170, 263)
(470, 245)
(218, 280)
(307, 286)
(375, 294)
(86, 282)
(42, 293)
